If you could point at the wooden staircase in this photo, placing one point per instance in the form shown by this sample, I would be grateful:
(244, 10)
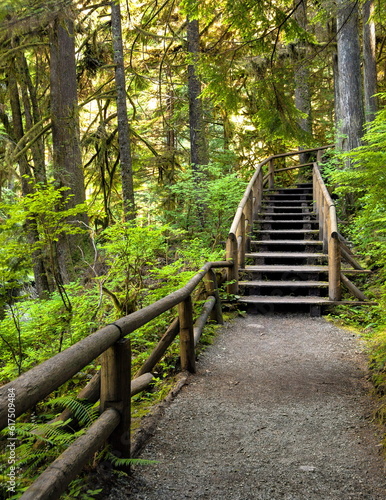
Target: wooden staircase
(285, 248)
(285, 265)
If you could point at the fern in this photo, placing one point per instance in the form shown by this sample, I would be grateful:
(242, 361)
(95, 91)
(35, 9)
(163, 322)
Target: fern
(84, 411)
(121, 462)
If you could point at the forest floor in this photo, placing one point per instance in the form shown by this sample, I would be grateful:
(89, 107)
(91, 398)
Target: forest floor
(280, 408)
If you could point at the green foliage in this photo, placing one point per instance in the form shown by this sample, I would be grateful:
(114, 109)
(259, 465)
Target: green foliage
(35, 330)
(130, 249)
(205, 202)
(364, 180)
(360, 179)
(38, 444)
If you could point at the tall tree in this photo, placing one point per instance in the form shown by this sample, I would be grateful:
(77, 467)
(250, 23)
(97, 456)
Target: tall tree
(40, 276)
(302, 75)
(123, 123)
(369, 61)
(349, 108)
(198, 144)
(67, 158)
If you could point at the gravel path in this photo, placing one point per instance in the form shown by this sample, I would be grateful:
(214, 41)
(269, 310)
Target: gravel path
(278, 409)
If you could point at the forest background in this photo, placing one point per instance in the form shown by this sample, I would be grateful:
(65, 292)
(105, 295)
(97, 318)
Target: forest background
(128, 132)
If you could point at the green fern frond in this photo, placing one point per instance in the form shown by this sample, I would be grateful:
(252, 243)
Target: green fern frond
(119, 462)
(82, 409)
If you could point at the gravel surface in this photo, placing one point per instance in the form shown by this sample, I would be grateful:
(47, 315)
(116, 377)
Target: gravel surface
(279, 409)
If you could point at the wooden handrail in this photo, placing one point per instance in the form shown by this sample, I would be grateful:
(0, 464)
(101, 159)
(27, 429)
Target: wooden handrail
(115, 385)
(37, 383)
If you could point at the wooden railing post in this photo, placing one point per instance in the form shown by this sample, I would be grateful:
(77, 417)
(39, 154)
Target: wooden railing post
(271, 172)
(241, 241)
(212, 289)
(249, 221)
(187, 353)
(232, 272)
(116, 392)
(334, 258)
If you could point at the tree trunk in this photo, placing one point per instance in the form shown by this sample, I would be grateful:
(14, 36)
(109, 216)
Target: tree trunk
(123, 123)
(301, 78)
(198, 144)
(40, 275)
(32, 117)
(369, 62)
(67, 159)
(349, 108)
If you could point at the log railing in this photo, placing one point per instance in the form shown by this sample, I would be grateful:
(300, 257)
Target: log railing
(239, 235)
(112, 385)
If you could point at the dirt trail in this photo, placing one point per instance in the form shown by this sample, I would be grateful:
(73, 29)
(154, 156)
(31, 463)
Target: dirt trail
(278, 409)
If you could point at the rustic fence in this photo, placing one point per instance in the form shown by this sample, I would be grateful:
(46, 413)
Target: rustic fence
(112, 385)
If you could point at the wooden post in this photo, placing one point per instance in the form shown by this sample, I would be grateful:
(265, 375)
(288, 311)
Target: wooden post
(326, 225)
(116, 392)
(249, 221)
(187, 353)
(212, 289)
(314, 191)
(271, 172)
(241, 244)
(232, 272)
(334, 261)
(256, 196)
(321, 221)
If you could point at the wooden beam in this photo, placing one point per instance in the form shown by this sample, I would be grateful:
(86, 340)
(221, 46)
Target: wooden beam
(353, 288)
(116, 393)
(187, 353)
(202, 319)
(140, 383)
(349, 258)
(160, 349)
(212, 289)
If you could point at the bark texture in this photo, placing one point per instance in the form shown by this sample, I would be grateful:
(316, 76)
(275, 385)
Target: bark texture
(301, 78)
(369, 62)
(198, 145)
(67, 157)
(39, 268)
(349, 108)
(123, 123)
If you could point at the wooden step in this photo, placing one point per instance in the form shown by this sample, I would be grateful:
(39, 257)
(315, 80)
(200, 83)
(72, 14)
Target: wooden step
(284, 299)
(287, 242)
(285, 269)
(289, 221)
(289, 190)
(290, 196)
(287, 214)
(301, 208)
(284, 284)
(287, 299)
(288, 231)
(287, 255)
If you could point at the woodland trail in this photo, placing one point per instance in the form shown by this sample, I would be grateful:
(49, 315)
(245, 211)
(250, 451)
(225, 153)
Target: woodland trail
(279, 409)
